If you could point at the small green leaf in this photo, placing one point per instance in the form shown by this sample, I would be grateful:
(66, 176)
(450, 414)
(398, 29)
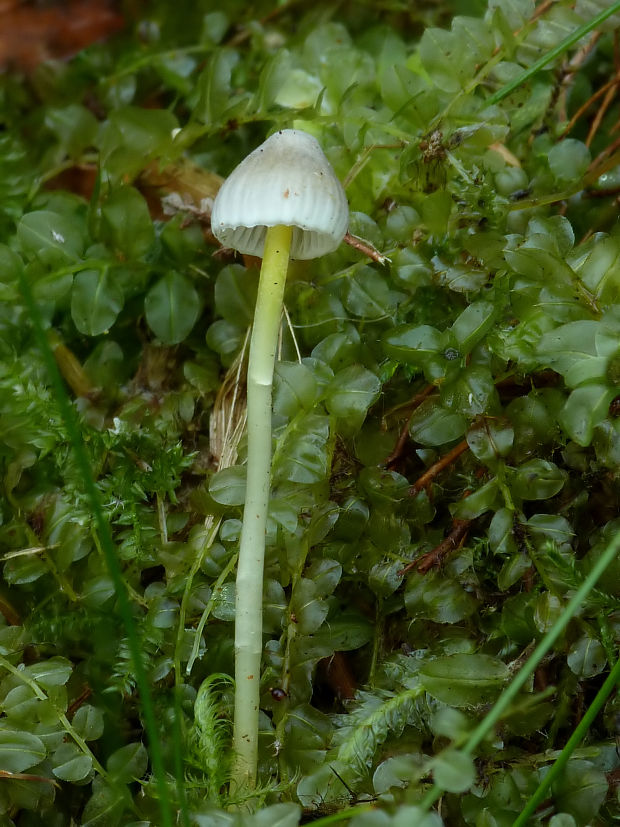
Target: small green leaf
(599, 271)
(105, 806)
(568, 160)
(432, 424)
(538, 479)
(453, 771)
(285, 814)
(464, 679)
(128, 763)
(52, 238)
(235, 294)
(562, 820)
(224, 602)
(55, 671)
(172, 308)
(483, 499)
(581, 790)
(88, 722)
(472, 393)
(547, 610)
(489, 439)
(20, 750)
(74, 125)
(225, 338)
(98, 590)
(96, 301)
(227, 487)
(513, 570)
(542, 526)
(585, 408)
(473, 324)
(412, 345)
(440, 599)
(346, 631)
(325, 574)
(126, 223)
(302, 454)
(307, 607)
(450, 723)
(398, 772)
(407, 815)
(383, 487)
(446, 59)
(586, 657)
(214, 86)
(373, 818)
(436, 211)
(21, 704)
(338, 349)
(384, 577)
(579, 350)
(273, 77)
(70, 764)
(307, 734)
(349, 395)
(148, 131)
(368, 296)
(402, 221)
(295, 388)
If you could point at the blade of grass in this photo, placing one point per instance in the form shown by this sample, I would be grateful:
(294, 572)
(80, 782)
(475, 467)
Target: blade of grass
(553, 53)
(547, 642)
(554, 771)
(107, 544)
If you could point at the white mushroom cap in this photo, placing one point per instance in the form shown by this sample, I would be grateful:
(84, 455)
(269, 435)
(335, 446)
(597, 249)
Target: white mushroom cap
(286, 180)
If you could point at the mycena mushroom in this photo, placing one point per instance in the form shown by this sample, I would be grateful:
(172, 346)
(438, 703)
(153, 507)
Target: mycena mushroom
(283, 201)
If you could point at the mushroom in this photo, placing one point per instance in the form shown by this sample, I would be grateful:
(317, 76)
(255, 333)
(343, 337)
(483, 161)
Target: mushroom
(283, 201)
(287, 181)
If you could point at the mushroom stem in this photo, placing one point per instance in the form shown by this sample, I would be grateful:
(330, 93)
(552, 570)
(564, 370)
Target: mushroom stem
(249, 591)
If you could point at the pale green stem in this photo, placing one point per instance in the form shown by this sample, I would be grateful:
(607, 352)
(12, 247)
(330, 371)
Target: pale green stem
(249, 609)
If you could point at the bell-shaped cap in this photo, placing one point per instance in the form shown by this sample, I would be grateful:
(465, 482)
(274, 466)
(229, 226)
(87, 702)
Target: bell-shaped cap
(286, 180)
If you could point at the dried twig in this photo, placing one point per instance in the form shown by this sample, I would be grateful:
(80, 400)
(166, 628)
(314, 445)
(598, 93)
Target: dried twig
(366, 248)
(600, 113)
(435, 557)
(429, 475)
(404, 434)
(611, 84)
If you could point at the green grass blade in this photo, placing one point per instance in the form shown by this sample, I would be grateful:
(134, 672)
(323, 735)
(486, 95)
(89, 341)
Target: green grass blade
(601, 696)
(105, 537)
(551, 55)
(547, 642)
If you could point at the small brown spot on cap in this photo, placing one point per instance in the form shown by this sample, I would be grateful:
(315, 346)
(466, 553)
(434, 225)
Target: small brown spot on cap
(286, 193)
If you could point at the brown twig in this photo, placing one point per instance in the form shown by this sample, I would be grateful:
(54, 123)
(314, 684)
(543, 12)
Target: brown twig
(404, 434)
(611, 84)
(429, 475)
(574, 64)
(600, 113)
(9, 613)
(541, 9)
(77, 703)
(365, 247)
(23, 776)
(435, 557)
